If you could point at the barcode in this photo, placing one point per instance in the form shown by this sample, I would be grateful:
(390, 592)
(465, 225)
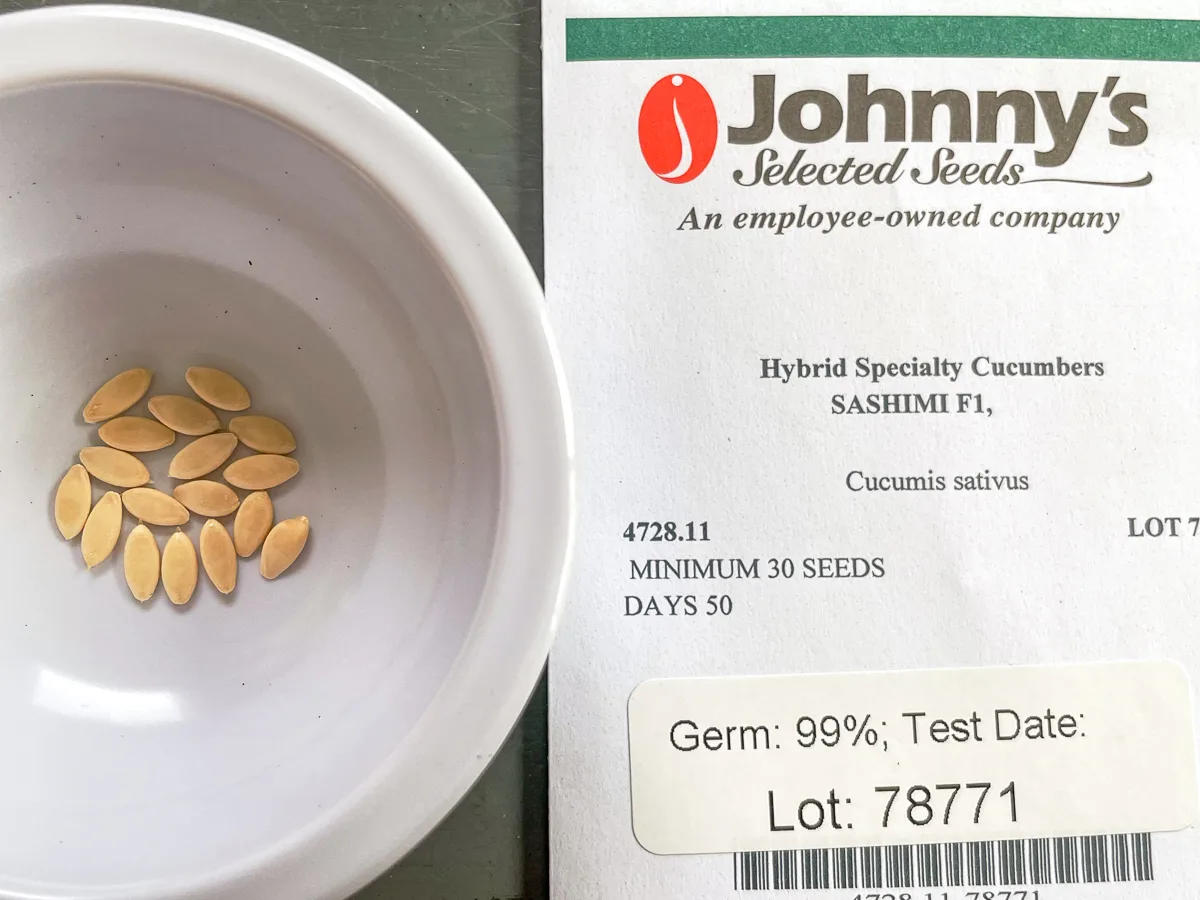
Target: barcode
(1074, 860)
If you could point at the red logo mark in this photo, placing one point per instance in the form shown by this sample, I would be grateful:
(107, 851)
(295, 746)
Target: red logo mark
(677, 128)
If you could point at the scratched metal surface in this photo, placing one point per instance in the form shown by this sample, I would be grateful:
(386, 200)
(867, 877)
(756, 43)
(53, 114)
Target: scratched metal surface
(467, 70)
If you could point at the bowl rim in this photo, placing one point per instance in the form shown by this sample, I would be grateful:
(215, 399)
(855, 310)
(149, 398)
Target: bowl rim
(503, 655)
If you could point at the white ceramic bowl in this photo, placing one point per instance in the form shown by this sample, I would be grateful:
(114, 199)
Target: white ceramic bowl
(173, 191)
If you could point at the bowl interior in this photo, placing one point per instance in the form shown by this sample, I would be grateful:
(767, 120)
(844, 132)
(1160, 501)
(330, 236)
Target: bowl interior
(152, 226)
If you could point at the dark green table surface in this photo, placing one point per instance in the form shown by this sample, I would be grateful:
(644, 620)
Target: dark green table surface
(469, 71)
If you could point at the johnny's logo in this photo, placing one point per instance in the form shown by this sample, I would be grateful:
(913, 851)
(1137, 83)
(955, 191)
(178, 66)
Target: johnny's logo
(678, 132)
(677, 128)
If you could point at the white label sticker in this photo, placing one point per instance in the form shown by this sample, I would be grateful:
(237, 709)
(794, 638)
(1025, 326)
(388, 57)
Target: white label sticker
(776, 762)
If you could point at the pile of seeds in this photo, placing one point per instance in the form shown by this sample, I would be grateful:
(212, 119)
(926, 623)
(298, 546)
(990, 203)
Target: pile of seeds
(114, 463)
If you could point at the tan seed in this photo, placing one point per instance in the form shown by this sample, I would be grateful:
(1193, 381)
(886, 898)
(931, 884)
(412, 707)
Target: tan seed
(207, 498)
(283, 545)
(73, 501)
(136, 434)
(141, 563)
(219, 389)
(116, 395)
(203, 455)
(102, 530)
(220, 560)
(180, 571)
(264, 434)
(183, 414)
(153, 506)
(261, 472)
(252, 522)
(114, 466)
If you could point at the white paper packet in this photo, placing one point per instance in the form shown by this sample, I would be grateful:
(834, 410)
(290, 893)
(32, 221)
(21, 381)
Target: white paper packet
(883, 338)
